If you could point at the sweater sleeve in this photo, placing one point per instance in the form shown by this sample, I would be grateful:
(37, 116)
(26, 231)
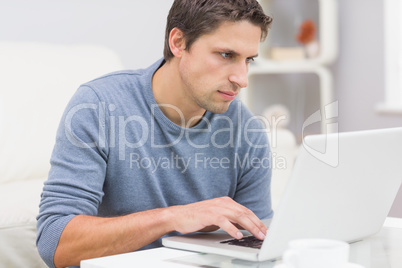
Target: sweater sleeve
(255, 161)
(78, 166)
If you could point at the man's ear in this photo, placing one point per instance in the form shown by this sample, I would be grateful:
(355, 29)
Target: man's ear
(177, 42)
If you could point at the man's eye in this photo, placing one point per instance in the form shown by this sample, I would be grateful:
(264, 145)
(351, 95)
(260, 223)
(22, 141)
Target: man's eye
(226, 55)
(249, 60)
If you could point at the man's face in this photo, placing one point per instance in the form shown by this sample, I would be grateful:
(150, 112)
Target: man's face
(215, 67)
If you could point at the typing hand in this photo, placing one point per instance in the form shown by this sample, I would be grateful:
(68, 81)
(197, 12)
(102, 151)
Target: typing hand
(216, 213)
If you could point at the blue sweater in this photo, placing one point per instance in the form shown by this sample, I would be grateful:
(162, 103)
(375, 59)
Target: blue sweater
(116, 153)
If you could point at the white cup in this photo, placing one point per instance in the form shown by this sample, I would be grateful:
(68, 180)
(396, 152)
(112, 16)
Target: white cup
(316, 253)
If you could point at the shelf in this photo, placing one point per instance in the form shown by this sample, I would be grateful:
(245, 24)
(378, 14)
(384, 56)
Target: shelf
(304, 85)
(327, 32)
(268, 66)
(294, 67)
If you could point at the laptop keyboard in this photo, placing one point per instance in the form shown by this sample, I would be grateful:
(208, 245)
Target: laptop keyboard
(248, 241)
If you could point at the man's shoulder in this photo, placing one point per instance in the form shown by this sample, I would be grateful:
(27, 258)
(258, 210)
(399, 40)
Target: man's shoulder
(125, 77)
(117, 77)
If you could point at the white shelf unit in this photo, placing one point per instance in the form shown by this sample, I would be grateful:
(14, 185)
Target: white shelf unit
(327, 24)
(327, 33)
(269, 67)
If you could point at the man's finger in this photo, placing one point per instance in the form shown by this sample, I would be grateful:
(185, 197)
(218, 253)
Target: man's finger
(232, 230)
(254, 228)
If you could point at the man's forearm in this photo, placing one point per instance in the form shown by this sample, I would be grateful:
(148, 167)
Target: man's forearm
(87, 237)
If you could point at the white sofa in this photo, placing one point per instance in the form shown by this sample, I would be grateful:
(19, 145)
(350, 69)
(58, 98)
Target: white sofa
(36, 82)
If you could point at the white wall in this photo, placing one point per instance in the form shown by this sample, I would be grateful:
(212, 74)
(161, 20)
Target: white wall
(359, 71)
(135, 29)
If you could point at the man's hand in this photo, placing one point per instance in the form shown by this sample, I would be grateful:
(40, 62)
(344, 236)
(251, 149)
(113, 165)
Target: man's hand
(221, 212)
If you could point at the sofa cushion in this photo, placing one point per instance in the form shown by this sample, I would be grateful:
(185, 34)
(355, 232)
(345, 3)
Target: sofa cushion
(19, 206)
(37, 80)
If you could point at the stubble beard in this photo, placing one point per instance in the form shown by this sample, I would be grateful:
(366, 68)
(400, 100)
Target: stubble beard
(210, 100)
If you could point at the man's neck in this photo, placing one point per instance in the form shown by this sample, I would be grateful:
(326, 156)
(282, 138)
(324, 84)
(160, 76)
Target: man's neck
(170, 96)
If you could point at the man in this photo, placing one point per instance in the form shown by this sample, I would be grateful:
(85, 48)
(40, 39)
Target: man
(164, 150)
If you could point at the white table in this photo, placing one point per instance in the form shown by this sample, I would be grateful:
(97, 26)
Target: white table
(383, 250)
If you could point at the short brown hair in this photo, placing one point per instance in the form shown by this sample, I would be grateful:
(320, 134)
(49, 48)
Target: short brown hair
(197, 17)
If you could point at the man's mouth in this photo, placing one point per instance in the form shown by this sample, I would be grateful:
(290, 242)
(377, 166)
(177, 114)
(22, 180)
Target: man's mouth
(228, 95)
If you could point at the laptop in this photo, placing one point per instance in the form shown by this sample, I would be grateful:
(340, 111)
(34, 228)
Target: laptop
(342, 187)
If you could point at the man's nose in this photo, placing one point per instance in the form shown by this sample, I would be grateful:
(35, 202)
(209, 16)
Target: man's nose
(239, 75)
